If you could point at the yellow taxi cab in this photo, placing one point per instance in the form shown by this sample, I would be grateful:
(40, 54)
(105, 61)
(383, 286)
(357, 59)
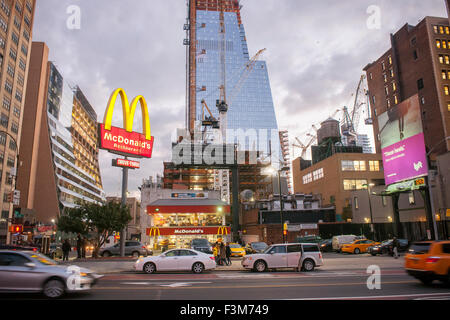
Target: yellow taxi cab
(428, 261)
(237, 250)
(358, 246)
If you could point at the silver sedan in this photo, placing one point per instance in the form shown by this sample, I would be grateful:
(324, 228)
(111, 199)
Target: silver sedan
(27, 271)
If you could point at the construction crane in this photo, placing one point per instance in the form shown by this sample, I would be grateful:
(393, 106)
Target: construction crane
(351, 119)
(304, 147)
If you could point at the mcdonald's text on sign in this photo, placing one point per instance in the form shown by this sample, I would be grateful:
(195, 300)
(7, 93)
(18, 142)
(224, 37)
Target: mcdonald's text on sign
(222, 230)
(126, 163)
(125, 141)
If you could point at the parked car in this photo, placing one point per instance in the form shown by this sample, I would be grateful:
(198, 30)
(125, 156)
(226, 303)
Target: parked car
(133, 248)
(428, 261)
(177, 260)
(300, 256)
(201, 245)
(385, 247)
(339, 241)
(255, 247)
(28, 271)
(237, 250)
(358, 246)
(326, 245)
(309, 239)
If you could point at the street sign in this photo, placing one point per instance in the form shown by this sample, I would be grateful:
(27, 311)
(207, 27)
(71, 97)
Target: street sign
(16, 197)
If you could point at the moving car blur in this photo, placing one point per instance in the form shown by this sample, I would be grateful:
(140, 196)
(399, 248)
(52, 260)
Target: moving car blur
(428, 261)
(176, 260)
(28, 271)
(133, 248)
(326, 245)
(385, 247)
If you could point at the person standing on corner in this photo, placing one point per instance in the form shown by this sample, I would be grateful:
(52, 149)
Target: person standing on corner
(228, 254)
(395, 246)
(66, 248)
(79, 245)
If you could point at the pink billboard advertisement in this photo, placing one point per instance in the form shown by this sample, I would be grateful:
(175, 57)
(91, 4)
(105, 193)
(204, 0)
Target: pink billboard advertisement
(402, 142)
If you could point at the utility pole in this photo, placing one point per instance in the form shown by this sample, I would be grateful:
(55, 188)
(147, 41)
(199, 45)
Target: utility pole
(124, 203)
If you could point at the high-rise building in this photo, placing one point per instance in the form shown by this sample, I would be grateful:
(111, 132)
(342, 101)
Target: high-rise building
(59, 153)
(362, 140)
(16, 29)
(418, 62)
(217, 49)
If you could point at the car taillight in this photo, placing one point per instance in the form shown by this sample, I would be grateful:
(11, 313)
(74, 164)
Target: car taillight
(212, 258)
(34, 249)
(143, 247)
(432, 259)
(320, 255)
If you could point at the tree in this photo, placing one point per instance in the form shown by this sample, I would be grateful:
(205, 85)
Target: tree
(100, 220)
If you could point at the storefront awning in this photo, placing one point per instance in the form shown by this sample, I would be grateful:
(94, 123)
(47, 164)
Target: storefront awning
(172, 206)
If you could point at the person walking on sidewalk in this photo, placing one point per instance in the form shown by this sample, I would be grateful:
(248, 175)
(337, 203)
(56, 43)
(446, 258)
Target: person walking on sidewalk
(66, 248)
(79, 245)
(222, 254)
(228, 254)
(83, 247)
(395, 246)
(215, 253)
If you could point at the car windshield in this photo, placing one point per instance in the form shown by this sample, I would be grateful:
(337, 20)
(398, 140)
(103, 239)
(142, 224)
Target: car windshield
(267, 249)
(385, 242)
(42, 259)
(419, 248)
(234, 245)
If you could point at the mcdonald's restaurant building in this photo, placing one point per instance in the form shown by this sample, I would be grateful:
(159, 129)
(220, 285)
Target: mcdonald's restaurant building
(176, 221)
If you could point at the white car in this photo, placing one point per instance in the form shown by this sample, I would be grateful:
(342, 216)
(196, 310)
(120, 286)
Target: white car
(177, 260)
(300, 256)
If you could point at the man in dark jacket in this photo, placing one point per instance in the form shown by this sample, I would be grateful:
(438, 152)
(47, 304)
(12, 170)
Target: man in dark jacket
(228, 254)
(79, 245)
(395, 245)
(66, 248)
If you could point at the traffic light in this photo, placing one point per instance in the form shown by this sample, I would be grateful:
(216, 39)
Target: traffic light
(16, 228)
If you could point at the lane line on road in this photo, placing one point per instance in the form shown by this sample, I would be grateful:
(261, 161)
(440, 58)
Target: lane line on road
(378, 297)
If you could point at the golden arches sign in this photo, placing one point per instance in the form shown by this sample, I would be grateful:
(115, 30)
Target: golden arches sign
(222, 231)
(154, 231)
(123, 140)
(128, 112)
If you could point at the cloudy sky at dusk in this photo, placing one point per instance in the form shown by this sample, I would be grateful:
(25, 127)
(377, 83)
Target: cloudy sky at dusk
(316, 51)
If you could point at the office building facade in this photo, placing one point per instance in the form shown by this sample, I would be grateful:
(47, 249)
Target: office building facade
(16, 29)
(59, 155)
(247, 89)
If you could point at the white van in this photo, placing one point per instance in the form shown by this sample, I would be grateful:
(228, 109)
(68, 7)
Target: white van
(338, 241)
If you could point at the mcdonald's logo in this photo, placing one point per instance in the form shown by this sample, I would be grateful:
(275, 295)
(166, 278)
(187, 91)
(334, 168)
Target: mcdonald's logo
(123, 140)
(153, 232)
(222, 231)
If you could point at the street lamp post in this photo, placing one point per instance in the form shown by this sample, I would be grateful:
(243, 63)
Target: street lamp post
(272, 171)
(370, 210)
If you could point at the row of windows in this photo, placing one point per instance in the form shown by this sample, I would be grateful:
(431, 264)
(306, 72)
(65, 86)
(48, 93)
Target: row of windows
(315, 175)
(355, 165)
(444, 59)
(441, 30)
(444, 44)
(354, 184)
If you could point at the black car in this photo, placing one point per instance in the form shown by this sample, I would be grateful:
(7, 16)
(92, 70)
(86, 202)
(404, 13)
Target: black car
(201, 245)
(386, 247)
(255, 247)
(326, 245)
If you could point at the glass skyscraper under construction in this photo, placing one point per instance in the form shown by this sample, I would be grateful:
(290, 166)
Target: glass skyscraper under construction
(247, 87)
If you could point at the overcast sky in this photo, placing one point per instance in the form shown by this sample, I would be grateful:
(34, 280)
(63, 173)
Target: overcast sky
(316, 51)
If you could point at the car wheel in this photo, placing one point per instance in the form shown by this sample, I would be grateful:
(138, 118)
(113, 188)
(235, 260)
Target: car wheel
(198, 267)
(357, 251)
(308, 265)
(426, 281)
(260, 266)
(149, 267)
(106, 254)
(373, 254)
(135, 254)
(54, 288)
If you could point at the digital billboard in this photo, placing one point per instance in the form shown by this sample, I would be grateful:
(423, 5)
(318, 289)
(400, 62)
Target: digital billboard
(402, 142)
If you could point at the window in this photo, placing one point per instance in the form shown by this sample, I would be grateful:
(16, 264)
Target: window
(3, 25)
(10, 162)
(446, 248)
(2, 139)
(420, 84)
(24, 49)
(14, 127)
(385, 77)
(374, 99)
(310, 248)
(392, 73)
(444, 75)
(386, 90)
(383, 66)
(350, 165)
(355, 200)
(5, 8)
(444, 44)
(422, 100)
(411, 198)
(446, 90)
(6, 103)
(2, 44)
(388, 103)
(17, 112)
(438, 43)
(318, 174)
(374, 166)
(370, 76)
(8, 86)
(441, 59)
(447, 59)
(10, 70)
(15, 38)
(22, 64)
(20, 80)
(27, 21)
(441, 29)
(26, 35)
(390, 59)
(13, 54)
(19, 95)
(395, 100)
(415, 55)
(17, 22)
(447, 30)
(4, 120)
(294, 248)
(448, 106)
(29, 7)
(278, 249)
(351, 185)
(307, 178)
(394, 86)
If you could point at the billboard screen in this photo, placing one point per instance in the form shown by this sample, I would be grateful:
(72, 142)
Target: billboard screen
(402, 142)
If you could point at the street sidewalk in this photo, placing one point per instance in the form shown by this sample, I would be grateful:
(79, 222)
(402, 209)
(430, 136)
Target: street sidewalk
(126, 264)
